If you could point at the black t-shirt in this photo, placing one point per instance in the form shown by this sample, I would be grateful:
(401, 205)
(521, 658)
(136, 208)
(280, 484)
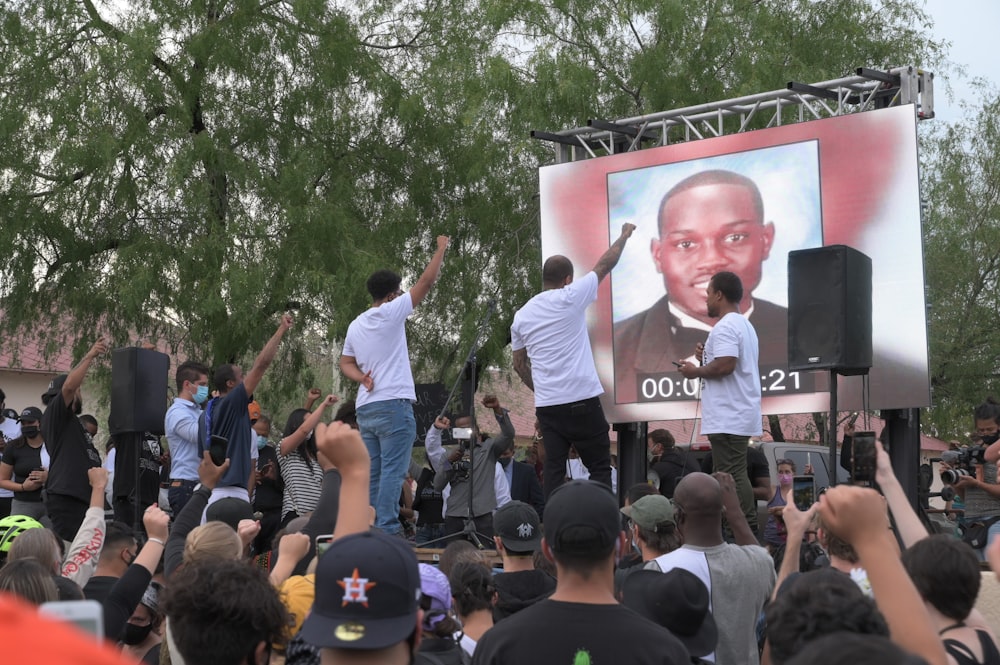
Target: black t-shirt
(673, 465)
(427, 501)
(559, 632)
(147, 447)
(25, 459)
(70, 451)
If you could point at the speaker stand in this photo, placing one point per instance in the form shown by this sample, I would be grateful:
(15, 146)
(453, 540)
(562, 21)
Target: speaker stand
(832, 427)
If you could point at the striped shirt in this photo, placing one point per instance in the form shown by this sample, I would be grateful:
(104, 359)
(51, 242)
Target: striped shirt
(302, 485)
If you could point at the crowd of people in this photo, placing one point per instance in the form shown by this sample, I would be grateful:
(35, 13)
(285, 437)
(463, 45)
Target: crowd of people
(299, 551)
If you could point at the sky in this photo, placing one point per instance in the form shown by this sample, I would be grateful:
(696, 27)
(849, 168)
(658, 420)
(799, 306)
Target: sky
(971, 27)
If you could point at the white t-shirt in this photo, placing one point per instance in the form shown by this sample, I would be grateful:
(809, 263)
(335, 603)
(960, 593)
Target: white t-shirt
(377, 340)
(731, 404)
(552, 326)
(9, 430)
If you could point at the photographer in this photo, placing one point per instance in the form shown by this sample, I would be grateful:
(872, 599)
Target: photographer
(974, 478)
(462, 469)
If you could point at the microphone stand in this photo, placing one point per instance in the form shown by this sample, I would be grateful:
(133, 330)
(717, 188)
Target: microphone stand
(469, 529)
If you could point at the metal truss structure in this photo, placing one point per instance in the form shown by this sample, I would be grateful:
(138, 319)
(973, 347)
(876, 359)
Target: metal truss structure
(866, 90)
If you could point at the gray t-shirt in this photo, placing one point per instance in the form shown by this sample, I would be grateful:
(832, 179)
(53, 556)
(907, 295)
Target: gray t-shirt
(740, 579)
(980, 503)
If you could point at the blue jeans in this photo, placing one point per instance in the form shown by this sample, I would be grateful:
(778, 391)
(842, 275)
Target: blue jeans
(388, 429)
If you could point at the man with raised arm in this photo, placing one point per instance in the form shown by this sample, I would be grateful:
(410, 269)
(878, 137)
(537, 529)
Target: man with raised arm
(376, 356)
(71, 452)
(227, 416)
(552, 356)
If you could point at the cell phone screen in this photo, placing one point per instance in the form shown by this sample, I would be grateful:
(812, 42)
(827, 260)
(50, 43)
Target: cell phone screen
(323, 543)
(863, 467)
(803, 492)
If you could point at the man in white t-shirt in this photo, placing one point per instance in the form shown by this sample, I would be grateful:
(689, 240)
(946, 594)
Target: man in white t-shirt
(730, 387)
(552, 356)
(376, 356)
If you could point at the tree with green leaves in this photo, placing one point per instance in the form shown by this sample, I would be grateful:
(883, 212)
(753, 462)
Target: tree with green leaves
(961, 191)
(181, 171)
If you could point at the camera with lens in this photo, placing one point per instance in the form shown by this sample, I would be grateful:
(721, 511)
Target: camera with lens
(963, 463)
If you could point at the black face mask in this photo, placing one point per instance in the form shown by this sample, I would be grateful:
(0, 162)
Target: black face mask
(990, 438)
(30, 432)
(136, 634)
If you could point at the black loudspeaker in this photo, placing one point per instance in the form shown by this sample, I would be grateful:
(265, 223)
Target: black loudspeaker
(138, 390)
(830, 310)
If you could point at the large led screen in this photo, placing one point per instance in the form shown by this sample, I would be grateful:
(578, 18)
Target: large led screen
(741, 203)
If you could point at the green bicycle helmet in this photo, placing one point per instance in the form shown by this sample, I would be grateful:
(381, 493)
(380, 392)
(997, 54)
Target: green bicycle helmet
(13, 526)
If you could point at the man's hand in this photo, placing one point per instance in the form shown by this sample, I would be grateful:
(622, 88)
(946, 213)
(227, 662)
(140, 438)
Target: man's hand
(728, 487)
(208, 473)
(329, 401)
(883, 465)
(286, 322)
(688, 369)
(294, 546)
(849, 429)
(314, 394)
(699, 352)
(343, 447)
(853, 513)
(157, 523)
(247, 530)
(492, 402)
(368, 382)
(97, 477)
(99, 348)
(627, 229)
(441, 422)
(965, 482)
(442, 242)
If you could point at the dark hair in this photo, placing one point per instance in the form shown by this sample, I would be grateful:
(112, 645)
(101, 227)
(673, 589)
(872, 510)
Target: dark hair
(472, 587)
(221, 610)
(556, 269)
(988, 410)
(223, 374)
(381, 283)
(117, 534)
(662, 437)
(543, 563)
(660, 541)
(3, 395)
(817, 603)
(347, 413)
(847, 648)
(29, 580)
(640, 490)
(87, 419)
(713, 177)
(946, 573)
(190, 371)
(295, 420)
(729, 285)
(786, 461)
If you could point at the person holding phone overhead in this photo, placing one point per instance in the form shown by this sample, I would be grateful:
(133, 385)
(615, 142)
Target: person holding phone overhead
(775, 533)
(227, 416)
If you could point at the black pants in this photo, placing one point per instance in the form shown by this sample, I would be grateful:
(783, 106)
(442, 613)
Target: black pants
(583, 426)
(67, 514)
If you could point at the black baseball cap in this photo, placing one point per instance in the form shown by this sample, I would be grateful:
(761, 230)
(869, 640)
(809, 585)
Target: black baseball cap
(230, 510)
(581, 517)
(367, 590)
(517, 525)
(31, 414)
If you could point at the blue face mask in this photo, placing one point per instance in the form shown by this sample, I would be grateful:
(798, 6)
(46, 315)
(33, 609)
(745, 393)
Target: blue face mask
(201, 395)
(261, 442)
